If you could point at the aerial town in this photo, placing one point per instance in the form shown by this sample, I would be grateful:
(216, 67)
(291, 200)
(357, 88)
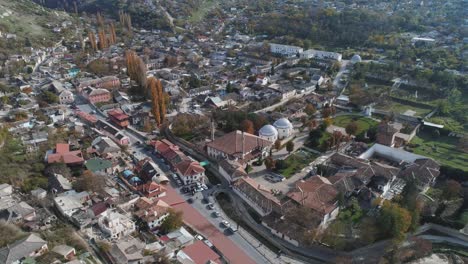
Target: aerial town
(211, 131)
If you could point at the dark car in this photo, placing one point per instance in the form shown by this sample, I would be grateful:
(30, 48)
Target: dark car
(189, 200)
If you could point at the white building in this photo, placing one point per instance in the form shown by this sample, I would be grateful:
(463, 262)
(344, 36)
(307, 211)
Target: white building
(319, 54)
(268, 132)
(70, 202)
(66, 97)
(116, 225)
(284, 128)
(285, 50)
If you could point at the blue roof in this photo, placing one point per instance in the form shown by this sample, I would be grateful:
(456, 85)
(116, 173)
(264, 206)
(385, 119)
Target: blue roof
(127, 173)
(135, 179)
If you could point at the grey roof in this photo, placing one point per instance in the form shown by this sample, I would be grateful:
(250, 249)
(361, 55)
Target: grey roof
(283, 123)
(268, 131)
(356, 58)
(17, 211)
(62, 250)
(21, 248)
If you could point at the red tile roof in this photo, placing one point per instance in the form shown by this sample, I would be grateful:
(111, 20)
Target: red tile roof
(200, 253)
(316, 193)
(117, 114)
(151, 189)
(62, 148)
(62, 153)
(236, 141)
(189, 168)
(163, 145)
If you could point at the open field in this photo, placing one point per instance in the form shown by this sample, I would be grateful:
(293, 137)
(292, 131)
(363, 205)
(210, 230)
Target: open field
(363, 123)
(404, 109)
(443, 149)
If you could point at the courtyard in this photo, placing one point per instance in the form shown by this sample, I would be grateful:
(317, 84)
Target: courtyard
(363, 123)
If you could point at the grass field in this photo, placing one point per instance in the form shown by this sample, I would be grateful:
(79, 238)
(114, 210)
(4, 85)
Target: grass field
(443, 149)
(363, 123)
(199, 14)
(402, 108)
(296, 162)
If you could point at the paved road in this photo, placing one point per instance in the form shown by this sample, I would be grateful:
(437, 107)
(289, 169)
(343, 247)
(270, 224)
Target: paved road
(198, 222)
(336, 82)
(234, 247)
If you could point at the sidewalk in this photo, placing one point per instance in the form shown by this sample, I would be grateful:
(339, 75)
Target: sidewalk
(264, 251)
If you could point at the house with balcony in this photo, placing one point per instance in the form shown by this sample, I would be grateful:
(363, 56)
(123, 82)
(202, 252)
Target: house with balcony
(119, 118)
(116, 225)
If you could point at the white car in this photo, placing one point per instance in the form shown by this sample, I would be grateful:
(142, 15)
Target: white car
(208, 243)
(226, 223)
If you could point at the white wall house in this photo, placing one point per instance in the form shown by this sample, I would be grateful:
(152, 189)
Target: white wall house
(115, 224)
(319, 54)
(285, 50)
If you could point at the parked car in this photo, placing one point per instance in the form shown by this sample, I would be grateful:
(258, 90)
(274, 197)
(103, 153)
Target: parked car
(210, 206)
(208, 243)
(226, 223)
(233, 229)
(216, 214)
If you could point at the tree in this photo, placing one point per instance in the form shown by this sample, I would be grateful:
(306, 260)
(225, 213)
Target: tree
(310, 109)
(50, 97)
(90, 182)
(394, 220)
(314, 137)
(136, 69)
(155, 108)
(270, 163)
(451, 189)
(290, 146)
(57, 168)
(463, 144)
(352, 128)
(172, 222)
(327, 122)
(247, 126)
(258, 120)
(92, 40)
(102, 40)
(162, 101)
(229, 87)
(327, 112)
(278, 144)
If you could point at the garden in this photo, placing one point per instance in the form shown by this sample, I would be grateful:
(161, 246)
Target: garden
(294, 163)
(362, 122)
(441, 148)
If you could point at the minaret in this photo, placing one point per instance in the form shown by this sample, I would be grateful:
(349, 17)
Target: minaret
(212, 129)
(243, 143)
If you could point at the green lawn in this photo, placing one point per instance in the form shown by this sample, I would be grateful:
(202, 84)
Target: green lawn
(296, 162)
(443, 149)
(402, 108)
(363, 123)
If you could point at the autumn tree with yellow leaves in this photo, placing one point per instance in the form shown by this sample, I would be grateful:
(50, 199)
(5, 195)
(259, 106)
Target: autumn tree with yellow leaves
(136, 69)
(157, 100)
